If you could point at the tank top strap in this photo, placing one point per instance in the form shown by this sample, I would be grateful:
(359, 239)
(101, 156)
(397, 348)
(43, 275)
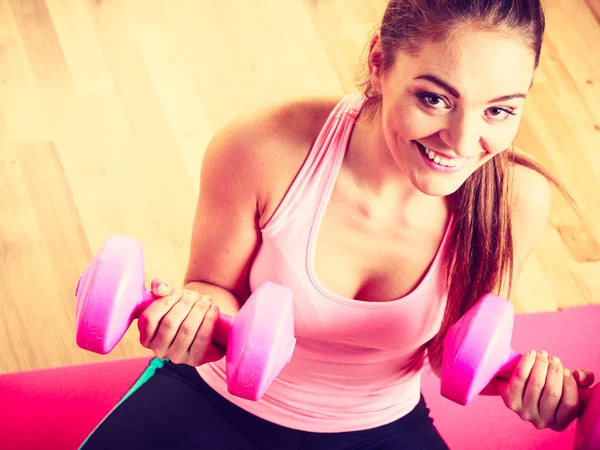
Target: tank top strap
(321, 167)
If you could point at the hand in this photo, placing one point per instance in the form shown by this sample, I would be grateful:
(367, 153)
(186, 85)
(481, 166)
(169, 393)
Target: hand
(543, 392)
(179, 326)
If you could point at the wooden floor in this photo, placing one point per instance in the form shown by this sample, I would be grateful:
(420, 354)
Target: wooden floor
(106, 107)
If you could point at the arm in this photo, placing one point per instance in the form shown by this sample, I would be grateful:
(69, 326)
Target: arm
(247, 167)
(242, 166)
(225, 232)
(530, 206)
(531, 201)
(180, 325)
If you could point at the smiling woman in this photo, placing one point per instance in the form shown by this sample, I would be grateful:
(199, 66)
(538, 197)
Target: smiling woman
(388, 214)
(469, 114)
(450, 106)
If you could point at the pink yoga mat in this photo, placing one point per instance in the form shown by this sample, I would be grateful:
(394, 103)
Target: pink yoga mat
(58, 408)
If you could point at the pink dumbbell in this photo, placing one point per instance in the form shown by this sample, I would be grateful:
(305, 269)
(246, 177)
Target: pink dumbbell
(478, 348)
(259, 340)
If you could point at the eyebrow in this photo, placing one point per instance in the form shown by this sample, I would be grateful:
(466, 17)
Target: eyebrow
(452, 90)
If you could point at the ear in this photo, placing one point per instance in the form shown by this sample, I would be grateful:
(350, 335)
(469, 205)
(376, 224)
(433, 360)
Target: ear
(375, 62)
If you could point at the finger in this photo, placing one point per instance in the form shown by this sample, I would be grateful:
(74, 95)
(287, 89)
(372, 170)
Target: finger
(170, 323)
(150, 319)
(552, 392)
(178, 351)
(535, 386)
(160, 287)
(568, 406)
(202, 350)
(515, 389)
(584, 378)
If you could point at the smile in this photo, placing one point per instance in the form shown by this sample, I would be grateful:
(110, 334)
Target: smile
(441, 162)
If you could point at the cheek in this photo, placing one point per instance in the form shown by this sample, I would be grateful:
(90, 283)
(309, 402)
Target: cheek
(405, 123)
(500, 140)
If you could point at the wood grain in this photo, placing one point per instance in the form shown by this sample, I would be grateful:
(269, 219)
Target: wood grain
(106, 108)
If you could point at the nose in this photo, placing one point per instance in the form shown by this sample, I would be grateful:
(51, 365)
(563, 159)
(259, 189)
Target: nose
(462, 135)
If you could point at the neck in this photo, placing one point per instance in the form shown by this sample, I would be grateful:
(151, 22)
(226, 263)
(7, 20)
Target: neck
(383, 181)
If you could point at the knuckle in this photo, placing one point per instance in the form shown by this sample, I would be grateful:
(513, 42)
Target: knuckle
(536, 384)
(144, 342)
(151, 318)
(186, 330)
(525, 415)
(145, 338)
(166, 301)
(521, 376)
(168, 325)
(513, 406)
(554, 394)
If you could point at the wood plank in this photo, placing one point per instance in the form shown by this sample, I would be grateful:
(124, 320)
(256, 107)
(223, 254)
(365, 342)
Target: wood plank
(80, 46)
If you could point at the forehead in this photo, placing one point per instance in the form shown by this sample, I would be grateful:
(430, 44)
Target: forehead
(477, 63)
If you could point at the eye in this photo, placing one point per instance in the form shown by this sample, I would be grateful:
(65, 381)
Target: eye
(499, 114)
(433, 101)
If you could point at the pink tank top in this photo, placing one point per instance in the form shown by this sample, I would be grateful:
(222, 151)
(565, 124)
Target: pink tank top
(345, 373)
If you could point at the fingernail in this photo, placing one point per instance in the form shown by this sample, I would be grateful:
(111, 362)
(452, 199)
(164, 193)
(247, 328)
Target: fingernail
(544, 353)
(194, 295)
(162, 289)
(567, 373)
(581, 375)
(531, 352)
(555, 360)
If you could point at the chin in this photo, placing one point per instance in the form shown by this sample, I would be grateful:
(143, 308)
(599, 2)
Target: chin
(438, 189)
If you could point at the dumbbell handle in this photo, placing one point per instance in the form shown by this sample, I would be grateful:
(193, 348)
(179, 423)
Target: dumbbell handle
(512, 361)
(222, 325)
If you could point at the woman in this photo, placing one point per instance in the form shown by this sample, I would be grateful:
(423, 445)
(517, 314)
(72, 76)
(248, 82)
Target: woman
(388, 214)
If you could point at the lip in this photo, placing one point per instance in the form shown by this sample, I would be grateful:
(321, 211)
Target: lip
(437, 167)
(440, 153)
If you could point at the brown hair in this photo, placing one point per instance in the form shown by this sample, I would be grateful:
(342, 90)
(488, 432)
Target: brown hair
(479, 253)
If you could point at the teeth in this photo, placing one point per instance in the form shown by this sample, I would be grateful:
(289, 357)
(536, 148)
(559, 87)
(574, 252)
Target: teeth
(441, 160)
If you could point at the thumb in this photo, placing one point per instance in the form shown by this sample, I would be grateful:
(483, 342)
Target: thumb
(584, 378)
(160, 287)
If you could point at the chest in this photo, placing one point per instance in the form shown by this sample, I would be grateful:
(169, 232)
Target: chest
(369, 253)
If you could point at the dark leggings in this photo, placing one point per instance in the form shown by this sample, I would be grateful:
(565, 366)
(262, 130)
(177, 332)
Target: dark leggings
(171, 407)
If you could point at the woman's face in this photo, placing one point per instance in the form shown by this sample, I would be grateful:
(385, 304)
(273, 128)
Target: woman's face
(454, 106)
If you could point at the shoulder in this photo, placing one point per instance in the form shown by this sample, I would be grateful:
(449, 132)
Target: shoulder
(531, 196)
(531, 201)
(263, 147)
(268, 132)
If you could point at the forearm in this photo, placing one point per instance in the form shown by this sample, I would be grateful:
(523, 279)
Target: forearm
(227, 302)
